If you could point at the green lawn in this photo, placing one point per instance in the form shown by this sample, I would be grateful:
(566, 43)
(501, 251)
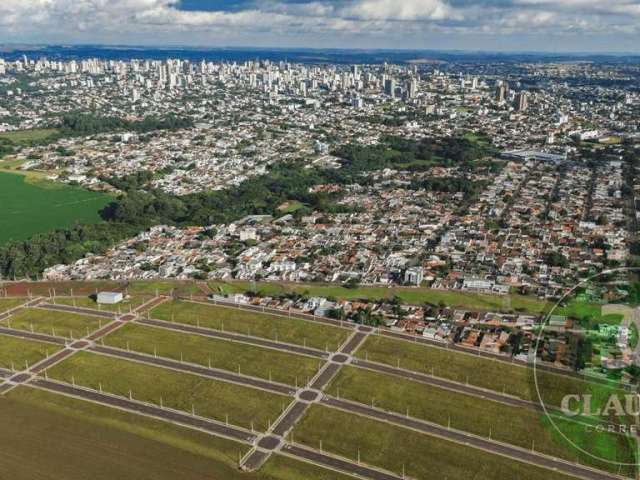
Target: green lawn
(29, 208)
(254, 361)
(9, 303)
(133, 302)
(181, 391)
(283, 329)
(390, 447)
(162, 287)
(17, 352)
(468, 368)
(27, 136)
(409, 295)
(101, 443)
(513, 425)
(54, 322)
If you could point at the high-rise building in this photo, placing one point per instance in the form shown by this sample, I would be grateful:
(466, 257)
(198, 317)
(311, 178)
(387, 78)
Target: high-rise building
(412, 88)
(501, 92)
(390, 87)
(522, 101)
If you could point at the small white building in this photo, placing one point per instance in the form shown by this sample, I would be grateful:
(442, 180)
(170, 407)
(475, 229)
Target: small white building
(109, 298)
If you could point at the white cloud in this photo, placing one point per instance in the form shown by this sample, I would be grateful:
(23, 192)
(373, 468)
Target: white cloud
(161, 21)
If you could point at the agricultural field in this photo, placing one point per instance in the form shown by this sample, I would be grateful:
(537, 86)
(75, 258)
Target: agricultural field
(181, 391)
(104, 443)
(254, 361)
(17, 352)
(30, 208)
(393, 448)
(54, 322)
(467, 368)
(289, 330)
(509, 424)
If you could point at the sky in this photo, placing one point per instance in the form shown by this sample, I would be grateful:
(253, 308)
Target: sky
(492, 25)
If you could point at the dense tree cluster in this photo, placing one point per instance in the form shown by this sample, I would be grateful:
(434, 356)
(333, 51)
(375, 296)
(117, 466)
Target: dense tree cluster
(80, 124)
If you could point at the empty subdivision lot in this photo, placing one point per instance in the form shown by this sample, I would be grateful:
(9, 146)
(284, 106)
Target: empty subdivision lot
(18, 353)
(226, 355)
(54, 322)
(9, 303)
(518, 426)
(50, 437)
(242, 406)
(391, 448)
(125, 306)
(462, 367)
(284, 329)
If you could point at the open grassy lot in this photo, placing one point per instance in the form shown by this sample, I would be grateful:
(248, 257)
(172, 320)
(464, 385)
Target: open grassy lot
(513, 425)
(69, 288)
(122, 445)
(97, 442)
(163, 287)
(27, 136)
(130, 303)
(422, 456)
(53, 322)
(416, 296)
(29, 208)
(289, 330)
(482, 372)
(16, 352)
(180, 391)
(9, 303)
(254, 361)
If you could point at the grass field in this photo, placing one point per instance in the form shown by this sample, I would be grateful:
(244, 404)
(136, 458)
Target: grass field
(283, 329)
(133, 302)
(513, 425)
(27, 136)
(76, 440)
(162, 287)
(180, 391)
(53, 322)
(254, 361)
(17, 353)
(9, 303)
(392, 448)
(468, 368)
(28, 208)
(415, 296)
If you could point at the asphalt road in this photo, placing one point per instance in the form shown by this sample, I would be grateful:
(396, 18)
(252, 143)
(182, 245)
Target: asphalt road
(147, 409)
(470, 440)
(214, 374)
(338, 464)
(32, 336)
(236, 337)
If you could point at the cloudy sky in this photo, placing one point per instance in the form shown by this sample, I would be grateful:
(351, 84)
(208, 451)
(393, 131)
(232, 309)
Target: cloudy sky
(506, 25)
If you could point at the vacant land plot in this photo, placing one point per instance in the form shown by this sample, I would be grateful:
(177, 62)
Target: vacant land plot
(18, 353)
(416, 296)
(393, 448)
(254, 361)
(9, 303)
(28, 208)
(513, 425)
(93, 441)
(129, 303)
(181, 391)
(69, 288)
(28, 136)
(54, 322)
(467, 368)
(289, 330)
(163, 287)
